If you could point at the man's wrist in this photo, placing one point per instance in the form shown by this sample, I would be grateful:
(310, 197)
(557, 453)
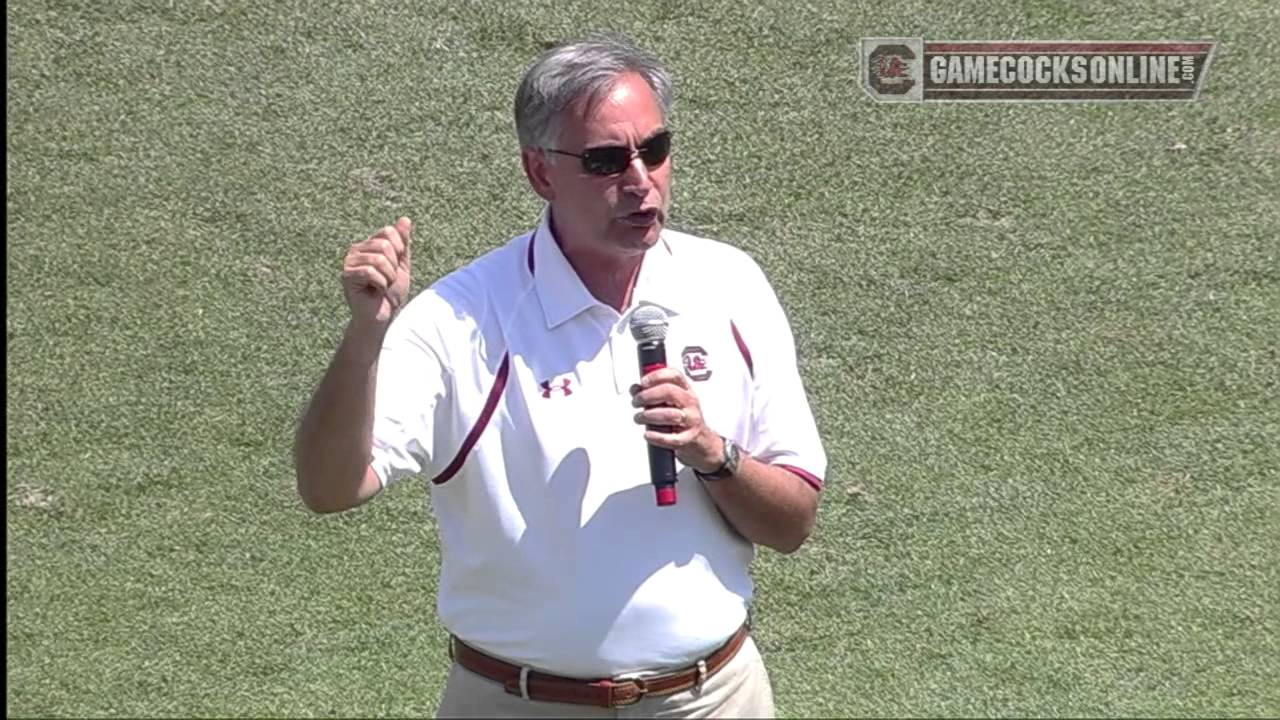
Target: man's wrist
(366, 332)
(715, 457)
(362, 344)
(731, 458)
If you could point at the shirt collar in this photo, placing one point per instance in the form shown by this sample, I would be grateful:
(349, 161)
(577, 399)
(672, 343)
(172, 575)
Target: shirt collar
(563, 295)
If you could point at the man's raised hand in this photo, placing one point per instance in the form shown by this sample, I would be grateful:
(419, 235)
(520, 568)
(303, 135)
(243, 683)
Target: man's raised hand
(375, 274)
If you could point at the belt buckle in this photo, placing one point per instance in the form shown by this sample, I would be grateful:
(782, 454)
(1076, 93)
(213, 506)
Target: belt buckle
(642, 689)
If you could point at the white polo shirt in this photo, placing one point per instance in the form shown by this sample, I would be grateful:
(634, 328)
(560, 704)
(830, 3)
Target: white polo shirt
(506, 383)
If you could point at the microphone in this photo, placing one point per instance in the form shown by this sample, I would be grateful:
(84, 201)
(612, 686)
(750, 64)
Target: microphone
(649, 328)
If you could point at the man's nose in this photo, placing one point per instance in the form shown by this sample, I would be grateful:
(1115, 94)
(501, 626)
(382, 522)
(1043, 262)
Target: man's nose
(635, 179)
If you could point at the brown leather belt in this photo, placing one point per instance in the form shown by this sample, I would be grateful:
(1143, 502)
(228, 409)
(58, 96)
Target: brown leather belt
(605, 692)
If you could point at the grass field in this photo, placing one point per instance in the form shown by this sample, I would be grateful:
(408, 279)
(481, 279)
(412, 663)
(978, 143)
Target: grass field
(1041, 344)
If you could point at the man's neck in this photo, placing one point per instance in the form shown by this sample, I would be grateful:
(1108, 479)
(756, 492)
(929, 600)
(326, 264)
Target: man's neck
(609, 277)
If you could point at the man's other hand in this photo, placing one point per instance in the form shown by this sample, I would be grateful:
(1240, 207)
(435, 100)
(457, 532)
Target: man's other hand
(375, 274)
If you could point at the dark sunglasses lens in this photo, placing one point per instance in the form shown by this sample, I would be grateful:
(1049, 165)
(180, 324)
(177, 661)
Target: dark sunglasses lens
(655, 152)
(613, 160)
(606, 160)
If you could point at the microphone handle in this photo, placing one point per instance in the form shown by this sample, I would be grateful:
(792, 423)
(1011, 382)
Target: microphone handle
(662, 461)
(662, 473)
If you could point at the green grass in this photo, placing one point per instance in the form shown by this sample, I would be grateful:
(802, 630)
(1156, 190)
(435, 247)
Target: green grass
(1040, 343)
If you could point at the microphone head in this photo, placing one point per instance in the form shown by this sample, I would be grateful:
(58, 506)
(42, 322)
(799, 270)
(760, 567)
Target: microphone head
(648, 323)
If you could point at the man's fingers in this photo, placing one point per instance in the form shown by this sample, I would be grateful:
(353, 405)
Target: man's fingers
(675, 441)
(665, 394)
(376, 260)
(378, 266)
(404, 226)
(377, 245)
(365, 276)
(394, 241)
(386, 239)
(666, 385)
(392, 247)
(665, 417)
(664, 375)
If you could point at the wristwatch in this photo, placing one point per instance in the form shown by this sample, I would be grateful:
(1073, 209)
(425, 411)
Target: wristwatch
(732, 457)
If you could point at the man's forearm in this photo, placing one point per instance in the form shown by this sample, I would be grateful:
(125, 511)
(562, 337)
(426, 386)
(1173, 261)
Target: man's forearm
(766, 504)
(334, 439)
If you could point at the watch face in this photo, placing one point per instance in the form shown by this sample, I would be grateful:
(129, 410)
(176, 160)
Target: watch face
(731, 457)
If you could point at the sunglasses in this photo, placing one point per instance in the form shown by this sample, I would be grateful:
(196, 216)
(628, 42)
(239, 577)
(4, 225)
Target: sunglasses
(614, 159)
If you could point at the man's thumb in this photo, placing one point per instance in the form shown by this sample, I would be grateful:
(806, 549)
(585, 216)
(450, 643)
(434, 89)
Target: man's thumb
(404, 226)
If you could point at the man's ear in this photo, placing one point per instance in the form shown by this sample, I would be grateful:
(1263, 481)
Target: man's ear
(537, 167)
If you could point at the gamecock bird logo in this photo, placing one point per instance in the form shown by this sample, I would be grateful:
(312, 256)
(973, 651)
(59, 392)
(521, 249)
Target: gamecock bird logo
(889, 69)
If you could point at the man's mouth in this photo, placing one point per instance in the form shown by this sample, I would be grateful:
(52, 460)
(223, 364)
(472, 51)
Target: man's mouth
(642, 218)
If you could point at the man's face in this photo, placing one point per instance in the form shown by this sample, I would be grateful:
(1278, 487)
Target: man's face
(620, 214)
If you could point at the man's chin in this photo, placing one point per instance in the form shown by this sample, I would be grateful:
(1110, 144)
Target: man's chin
(639, 237)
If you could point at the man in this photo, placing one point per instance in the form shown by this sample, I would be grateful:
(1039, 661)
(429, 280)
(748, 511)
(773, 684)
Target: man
(511, 384)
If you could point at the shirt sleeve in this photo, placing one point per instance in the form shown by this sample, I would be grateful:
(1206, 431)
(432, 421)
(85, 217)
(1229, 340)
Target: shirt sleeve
(783, 432)
(411, 399)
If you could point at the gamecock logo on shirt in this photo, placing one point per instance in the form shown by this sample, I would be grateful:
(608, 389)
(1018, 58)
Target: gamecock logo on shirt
(694, 359)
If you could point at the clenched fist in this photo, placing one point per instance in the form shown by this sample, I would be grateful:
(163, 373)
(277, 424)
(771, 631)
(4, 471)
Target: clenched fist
(375, 274)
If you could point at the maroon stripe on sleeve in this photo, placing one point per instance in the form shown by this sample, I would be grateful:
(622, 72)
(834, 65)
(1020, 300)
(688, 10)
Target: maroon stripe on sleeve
(490, 404)
(742, 348)
(804, 475)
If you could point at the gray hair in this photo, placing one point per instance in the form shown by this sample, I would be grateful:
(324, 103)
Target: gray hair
(585, 68)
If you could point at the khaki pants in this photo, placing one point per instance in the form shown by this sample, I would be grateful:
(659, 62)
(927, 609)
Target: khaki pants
(740, 689)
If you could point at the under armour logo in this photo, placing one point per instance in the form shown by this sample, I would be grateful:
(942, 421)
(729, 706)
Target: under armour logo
(562, 387)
